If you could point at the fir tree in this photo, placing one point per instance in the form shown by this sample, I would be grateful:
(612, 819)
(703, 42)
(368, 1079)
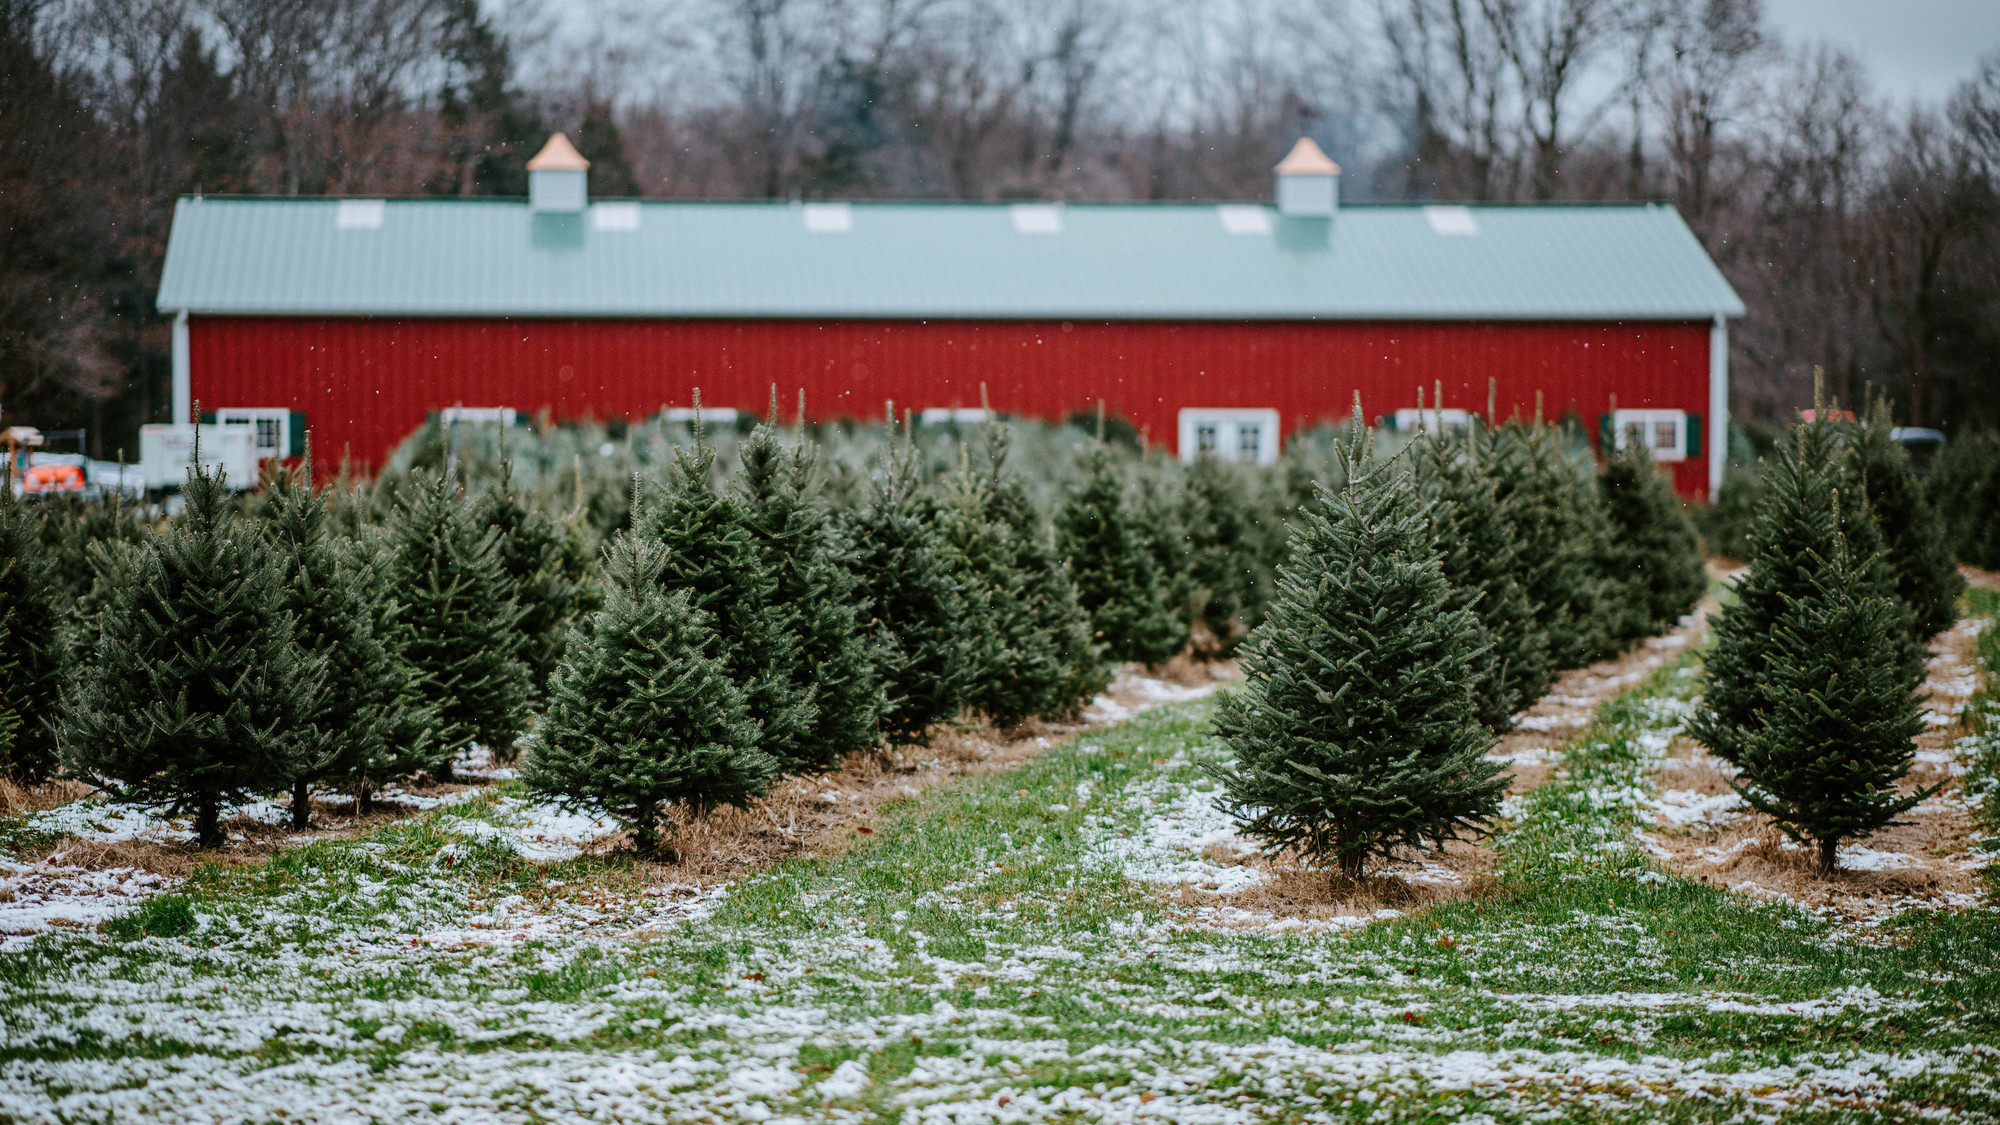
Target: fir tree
(796, 543)
(911, 604)
(1226, 562)
(413, 727)
(710, 555)
(38, 639)
(459, 620)
(1481, 561)
(1840, 709)
(1157, 519)
(1118, 580)
(196, 693)
(1357, 731)
(545, 570)
(1815, 556)
(1034, 655)
(642, 714)
(1912, 532)
(355, 716)
(1560, 530)
(1654, 557)
(1964, 486)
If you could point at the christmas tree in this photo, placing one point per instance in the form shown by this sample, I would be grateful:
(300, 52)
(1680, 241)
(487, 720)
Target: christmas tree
(1118, 580)
(38, 639)
(1226, 541)
(1840, 709)
(642, 715)
(1033, 653)
(356, 716)
(1653, 557)
(1912, 531)
(545, 570)
(459, 620)
(910, 602)
(195, 693)
(1816, 561)
(412, 730)
(1551, 503)
(1481, 561)
(710, 555)
(1357, 730)
(798, 545)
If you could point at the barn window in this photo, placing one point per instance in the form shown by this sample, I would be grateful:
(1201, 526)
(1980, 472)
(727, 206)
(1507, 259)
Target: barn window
(270, 430)
(1672, 435)
(1229, 434)
(1409, 420)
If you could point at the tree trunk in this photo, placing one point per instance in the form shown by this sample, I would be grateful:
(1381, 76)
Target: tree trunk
(1829, 859)
(208, 824)
(647, 829)
(302, 814)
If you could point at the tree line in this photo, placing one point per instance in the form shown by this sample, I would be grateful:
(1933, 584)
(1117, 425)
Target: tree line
(732, 629)
(1862, 233)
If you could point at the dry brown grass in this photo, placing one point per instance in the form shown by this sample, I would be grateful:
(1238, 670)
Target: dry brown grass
(1930, 860)
(1291, 891)
(16, 799)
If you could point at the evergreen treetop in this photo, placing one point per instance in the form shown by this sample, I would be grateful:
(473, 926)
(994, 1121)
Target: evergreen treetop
(1914, 535)
(1356, 732)
(642, 714)
(1551, 504)
(196, 693)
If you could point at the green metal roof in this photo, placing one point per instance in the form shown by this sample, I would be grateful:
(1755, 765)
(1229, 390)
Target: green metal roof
(432, 257)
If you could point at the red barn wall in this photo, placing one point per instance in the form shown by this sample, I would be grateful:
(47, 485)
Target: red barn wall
(366, 383)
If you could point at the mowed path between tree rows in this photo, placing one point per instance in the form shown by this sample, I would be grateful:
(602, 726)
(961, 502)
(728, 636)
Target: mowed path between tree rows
(1076, 937)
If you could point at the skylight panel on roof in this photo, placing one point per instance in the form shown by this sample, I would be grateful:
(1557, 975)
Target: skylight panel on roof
(1036, 218)
(1451, 220)
(358, 214)
(614, 216)
(828, 218)
(1242, 219)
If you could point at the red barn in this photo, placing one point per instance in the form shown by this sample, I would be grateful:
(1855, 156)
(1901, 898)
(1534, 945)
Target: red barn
(1216, 328)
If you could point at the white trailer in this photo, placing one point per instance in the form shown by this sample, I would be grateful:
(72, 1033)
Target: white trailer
(166, 453)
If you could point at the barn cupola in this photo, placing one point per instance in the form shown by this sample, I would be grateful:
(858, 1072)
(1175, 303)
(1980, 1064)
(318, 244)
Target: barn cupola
(559, 177)
(1308, 182)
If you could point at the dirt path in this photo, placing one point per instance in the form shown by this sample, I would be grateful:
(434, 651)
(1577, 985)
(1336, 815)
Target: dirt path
(1707, 832)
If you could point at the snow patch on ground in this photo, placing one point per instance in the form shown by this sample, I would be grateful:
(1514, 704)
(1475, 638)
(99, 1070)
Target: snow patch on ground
(38, 897)
(1178, 823)
(538, 832)
(1131, 695)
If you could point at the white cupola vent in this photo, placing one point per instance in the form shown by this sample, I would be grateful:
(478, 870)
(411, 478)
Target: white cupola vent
(558, 177)
(1308, 182)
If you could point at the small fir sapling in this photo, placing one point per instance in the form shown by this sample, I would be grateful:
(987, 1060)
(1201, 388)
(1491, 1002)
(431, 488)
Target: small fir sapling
(545, 569)
(1653, 554)
(1964, 486)
(1225, 563)
(459, 620)
(1037, 658)
(642, 715)
(38, 638)
(1118, 580)
(911, 603)
(411, 727)
(1912, 532)
(1550, 503)
(1481, 561)
(355, 716)
(1157, 521)
(799, 546)
(1356, 732)
(1824, 766)
(710, 555)
(196, 695)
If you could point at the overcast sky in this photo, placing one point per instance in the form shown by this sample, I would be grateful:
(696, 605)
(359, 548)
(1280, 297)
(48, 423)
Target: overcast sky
(1918, 48)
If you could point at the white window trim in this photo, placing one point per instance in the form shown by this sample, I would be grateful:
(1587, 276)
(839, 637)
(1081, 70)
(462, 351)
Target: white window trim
(1620, 419)
(250, 416)
(1409, 419)
(1232, 420)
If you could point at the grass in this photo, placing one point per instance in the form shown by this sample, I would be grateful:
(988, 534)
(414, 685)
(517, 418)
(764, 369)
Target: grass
(985, 957)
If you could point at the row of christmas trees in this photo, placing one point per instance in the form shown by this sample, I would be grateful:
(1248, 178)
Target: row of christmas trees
(737, 634)
(1359, 732)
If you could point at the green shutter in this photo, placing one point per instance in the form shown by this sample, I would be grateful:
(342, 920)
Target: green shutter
(1694, 435)
(295, 440)
(1606, 440)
